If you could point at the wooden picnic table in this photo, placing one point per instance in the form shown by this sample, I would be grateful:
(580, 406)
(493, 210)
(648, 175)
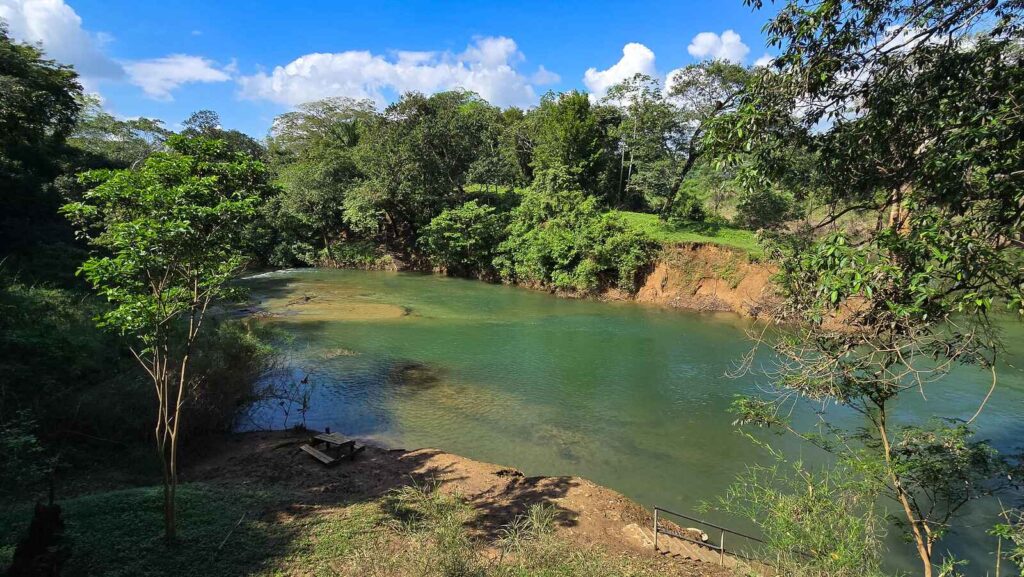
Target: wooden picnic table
(331, 448)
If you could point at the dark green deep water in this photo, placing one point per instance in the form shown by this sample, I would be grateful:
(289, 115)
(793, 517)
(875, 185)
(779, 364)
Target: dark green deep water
(630, 396)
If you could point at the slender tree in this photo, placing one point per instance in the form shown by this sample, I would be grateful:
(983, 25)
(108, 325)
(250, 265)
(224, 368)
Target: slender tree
(913, 109)
(166, 239)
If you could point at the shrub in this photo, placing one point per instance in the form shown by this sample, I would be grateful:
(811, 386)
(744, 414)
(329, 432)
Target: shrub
(558, 238)
(464, 240)
(764, 209)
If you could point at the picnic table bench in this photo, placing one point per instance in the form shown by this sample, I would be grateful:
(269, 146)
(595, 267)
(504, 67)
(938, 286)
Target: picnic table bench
(331, 448)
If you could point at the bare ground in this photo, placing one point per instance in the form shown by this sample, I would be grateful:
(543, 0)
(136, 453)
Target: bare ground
(589, 514)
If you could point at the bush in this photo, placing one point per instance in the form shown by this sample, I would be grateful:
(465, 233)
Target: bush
(231, 359)
(464, 240)
(764, 209)
(559, 239)
(823, 523)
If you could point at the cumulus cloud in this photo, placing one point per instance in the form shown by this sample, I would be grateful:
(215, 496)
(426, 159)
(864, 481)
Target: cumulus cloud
(158, 77)
(727, 46)
(636, 59)
(58, 28)
(544, 76)
(764, 60)
(488, 66)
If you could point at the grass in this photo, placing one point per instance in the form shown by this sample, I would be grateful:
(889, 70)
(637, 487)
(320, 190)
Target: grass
(231, 531)
(668, 233)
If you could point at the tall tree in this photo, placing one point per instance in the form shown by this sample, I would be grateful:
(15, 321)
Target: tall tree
(167, 240)
(312, 152)
(913, 110)
(416, 158)
(39, 106)
(569, 134)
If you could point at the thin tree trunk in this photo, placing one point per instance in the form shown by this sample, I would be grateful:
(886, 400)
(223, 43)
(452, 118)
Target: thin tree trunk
(921, 540)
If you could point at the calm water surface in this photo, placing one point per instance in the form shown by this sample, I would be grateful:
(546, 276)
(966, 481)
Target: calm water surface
(632, 397)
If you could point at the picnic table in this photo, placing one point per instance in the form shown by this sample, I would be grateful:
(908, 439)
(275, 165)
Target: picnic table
(331, 448)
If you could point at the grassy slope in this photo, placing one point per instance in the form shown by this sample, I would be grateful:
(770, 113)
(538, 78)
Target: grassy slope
(234, 531)
(667, 233)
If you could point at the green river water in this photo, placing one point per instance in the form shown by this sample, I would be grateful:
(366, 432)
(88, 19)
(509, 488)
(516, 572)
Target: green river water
(632, 397)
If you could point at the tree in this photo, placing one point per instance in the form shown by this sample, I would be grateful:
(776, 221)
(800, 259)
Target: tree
(702, 92)
(558, 238)
(112, 142)
(416, 159)
(647, 134)
(167, 246)
(312, 152)
(912, 110)
(206, 123)
(569, 134)
(39, 106)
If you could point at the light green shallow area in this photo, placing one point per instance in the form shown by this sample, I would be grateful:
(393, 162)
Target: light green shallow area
(629, 396)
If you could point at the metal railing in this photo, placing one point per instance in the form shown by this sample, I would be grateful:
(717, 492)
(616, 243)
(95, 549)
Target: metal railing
(720, 547)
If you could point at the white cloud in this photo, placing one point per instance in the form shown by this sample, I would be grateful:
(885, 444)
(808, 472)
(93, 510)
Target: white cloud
(636, 59)
(544, 76)
(58, 28)
(764, 60)
(488, 67)
(729, 46)
(160, 76)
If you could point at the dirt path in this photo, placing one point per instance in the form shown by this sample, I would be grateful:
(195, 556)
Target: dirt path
(589, 514)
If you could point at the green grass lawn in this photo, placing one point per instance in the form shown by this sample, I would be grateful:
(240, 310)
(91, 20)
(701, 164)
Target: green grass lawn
(667, 233)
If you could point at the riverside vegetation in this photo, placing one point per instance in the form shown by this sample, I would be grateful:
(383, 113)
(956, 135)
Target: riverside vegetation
(878, 158)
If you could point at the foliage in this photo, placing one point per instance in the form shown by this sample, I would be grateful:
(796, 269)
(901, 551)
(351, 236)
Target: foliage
(763, 208)
(464, 240)
(814, 523)
(170, 240)
(312, 152)
(660, 132)
(559, 239)
(910, 109)
(23, 461)
(415, 158)
(1011, 531)
(112, 142)
(39, 106)
(569, 135)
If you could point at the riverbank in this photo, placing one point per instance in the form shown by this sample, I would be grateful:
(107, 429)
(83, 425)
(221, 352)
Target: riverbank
(253, 503)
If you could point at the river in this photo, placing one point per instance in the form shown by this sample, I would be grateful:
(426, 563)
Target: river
(632, 397)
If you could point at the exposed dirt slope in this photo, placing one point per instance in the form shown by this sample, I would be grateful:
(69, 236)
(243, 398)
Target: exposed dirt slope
(708, 278)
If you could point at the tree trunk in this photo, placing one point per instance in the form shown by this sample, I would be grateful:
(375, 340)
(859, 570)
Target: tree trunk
(921, 540)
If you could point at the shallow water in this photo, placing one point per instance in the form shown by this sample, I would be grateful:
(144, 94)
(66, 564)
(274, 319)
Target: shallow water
(632, 397)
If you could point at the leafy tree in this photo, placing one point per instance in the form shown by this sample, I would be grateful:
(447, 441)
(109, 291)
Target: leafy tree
(39, 106)
(167, 246)
(911, 109)
(464, 240)
(112, 142)
(701, 92)
(570, 135)
(312, 151)
(647, 135)
(763, 208)
(206, 124)
(815, 523)
(416, 159)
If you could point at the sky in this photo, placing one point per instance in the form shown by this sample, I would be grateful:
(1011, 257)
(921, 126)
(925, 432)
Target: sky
(250, 61)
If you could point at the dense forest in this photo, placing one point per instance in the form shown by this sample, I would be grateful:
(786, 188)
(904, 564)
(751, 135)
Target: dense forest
(881, 180)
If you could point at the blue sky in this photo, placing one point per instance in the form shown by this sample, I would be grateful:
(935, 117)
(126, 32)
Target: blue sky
(250, 61)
